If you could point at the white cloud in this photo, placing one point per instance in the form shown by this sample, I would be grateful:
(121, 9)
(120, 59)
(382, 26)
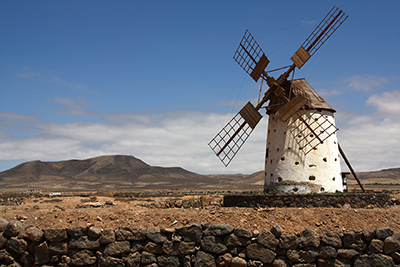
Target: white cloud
(176, 138)
(180, 138)
(373, 141)
(387, 103)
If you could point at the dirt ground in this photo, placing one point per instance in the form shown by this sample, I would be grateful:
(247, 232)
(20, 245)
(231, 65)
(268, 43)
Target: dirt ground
(61, 212)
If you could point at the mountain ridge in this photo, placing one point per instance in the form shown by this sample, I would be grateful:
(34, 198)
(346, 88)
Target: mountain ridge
(114, 172)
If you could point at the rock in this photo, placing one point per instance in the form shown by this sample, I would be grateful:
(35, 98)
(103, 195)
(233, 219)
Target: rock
(3, 241)
(257, 251)
(325, 262)
(34, 234)
(42, 254)
(27, 259)
(252, 263)
(309, 238)
(331, 239)
(281, 261)
(153, 248)
(396, 257)
(94, 232)
(3, 223)
(13, 228)
(369, 233)
(213, 244)
(276, 230)
(327, 252)
(243, 233)
(168, 261)
(375, 246)
(288, 241)
(233, 241)
(374, 260)
(56, 234)
(155, 235)
(293, 255)
(347, 253)
(218, 229)
(267, 239)
(308, 255)
(238, 262)
(77, 231)
(354, 240)
(178, 248)
(178, 203)
(383, 232)
(347, 206)
(147, 258)
(224, 260)
(107, 236)
(83, 257)
(5, 257)
(58, 247)
(17, 245)
(191, 233)
(204, 260)
(117, 248)
(133, 260)
(109, 261)
(391, 245)
(84, 242)
(126, 233)
(136, 246)
(340, 262)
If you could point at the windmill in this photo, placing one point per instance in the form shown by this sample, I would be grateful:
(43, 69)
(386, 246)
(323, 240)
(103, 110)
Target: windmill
(302, 153)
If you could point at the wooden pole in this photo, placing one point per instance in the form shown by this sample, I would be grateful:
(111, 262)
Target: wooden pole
(351, 168)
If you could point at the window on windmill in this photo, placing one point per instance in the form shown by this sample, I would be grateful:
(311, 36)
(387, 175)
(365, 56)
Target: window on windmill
(311, 178)
(322, 189)
(324, 159)
(279, 179)
(296, 163)
(282, 159)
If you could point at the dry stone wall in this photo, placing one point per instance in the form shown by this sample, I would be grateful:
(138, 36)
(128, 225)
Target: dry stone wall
(194, 245)
(364, 200)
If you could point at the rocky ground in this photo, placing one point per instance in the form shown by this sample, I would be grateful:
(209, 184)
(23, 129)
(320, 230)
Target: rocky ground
(111, 212)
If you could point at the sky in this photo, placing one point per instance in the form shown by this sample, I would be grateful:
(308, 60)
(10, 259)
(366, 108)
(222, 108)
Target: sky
(157, 79)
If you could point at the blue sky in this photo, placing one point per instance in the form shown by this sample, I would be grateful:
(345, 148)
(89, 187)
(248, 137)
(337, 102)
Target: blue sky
(156, 79)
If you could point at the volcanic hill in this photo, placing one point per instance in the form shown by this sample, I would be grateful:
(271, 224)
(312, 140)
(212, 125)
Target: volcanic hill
(117, 172)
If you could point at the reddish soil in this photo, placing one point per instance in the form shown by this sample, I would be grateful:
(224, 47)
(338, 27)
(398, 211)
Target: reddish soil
(62, 213)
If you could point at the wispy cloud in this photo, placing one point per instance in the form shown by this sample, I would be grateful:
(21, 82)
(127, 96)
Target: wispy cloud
(40, 75)
(366, 83)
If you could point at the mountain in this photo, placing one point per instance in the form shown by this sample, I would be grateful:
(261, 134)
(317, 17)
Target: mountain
(121, 172)
(385, 176)
(117, 172)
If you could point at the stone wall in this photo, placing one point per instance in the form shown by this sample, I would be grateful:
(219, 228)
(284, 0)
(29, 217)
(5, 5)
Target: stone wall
(194, 245)
(377, 200)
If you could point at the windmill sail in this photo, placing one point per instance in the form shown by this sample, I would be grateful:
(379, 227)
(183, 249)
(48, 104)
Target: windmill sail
(230, 139)
(319, 36)
(250, 56)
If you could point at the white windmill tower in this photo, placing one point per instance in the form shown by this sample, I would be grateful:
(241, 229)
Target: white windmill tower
(302, 153)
